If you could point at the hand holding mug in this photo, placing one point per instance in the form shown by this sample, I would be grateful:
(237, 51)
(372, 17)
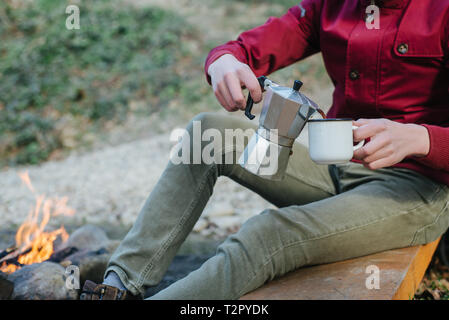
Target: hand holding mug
(390, 142)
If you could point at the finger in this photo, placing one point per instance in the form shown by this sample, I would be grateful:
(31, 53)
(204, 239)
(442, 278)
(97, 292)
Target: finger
(230, 106)
(381, 163)
(367, 130)
(361, 122)
(380, 154)
(250, 81)
(370, 149)
(235, 90)
(220, 99)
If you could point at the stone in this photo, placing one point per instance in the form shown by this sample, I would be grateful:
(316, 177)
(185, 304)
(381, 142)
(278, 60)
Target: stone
(92, 264)
(200, 225)
(41, 281)
(6, 287)
(88, 237)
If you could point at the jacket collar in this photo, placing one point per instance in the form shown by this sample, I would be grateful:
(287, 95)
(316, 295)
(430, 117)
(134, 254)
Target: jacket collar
(393, 4)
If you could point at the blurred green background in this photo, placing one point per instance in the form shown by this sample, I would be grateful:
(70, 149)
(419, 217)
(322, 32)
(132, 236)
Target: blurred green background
(67, 89)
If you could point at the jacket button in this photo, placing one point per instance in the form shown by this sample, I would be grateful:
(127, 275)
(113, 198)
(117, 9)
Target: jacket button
(403, 48)
(354, 75)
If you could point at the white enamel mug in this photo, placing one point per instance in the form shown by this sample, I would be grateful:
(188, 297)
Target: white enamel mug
(331, 140)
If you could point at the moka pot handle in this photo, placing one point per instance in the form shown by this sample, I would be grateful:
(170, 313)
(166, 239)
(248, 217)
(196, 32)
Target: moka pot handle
(250, 101)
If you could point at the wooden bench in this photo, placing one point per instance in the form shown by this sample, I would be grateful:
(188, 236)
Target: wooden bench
(401, 271)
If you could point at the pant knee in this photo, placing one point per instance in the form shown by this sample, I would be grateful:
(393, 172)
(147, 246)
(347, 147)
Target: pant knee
(211, 143)
(256, 242)
(205, 121)
(274, 240)
(253, 254)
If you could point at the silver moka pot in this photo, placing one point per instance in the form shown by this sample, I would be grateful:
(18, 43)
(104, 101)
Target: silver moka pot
(284, 114)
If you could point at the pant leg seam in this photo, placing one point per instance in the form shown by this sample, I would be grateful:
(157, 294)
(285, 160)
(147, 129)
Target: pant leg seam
(415, 236)
(175, 231)
(288, 245)
(378, 220)
(371, 222)
(312, 184)
(269, 259)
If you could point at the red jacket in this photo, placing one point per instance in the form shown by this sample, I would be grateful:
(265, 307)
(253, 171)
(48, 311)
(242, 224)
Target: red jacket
(399, 72)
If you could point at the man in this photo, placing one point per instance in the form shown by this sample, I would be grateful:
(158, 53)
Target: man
(394, 194)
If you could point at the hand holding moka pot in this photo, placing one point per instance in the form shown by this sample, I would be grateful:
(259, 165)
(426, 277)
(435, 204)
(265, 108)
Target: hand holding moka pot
(284, 114)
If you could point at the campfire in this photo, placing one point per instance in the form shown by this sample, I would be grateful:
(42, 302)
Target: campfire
(34, 244)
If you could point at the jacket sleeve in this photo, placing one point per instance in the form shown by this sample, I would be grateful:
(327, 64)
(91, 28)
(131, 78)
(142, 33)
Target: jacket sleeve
(277, 43)
(438, 156)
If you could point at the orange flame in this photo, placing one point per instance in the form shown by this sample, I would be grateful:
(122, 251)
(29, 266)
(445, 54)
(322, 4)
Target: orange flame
(33, 244)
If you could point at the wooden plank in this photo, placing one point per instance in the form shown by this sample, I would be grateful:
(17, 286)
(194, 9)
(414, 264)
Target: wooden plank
(401, 271)
(416, 271)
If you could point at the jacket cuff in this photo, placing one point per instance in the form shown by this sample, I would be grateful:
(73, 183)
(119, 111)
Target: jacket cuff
(438, 156)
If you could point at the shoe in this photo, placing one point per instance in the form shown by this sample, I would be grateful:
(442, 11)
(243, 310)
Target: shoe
(93, 291)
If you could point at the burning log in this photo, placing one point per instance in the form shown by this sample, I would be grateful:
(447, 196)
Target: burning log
(60, 255)
(6, 252)
(33, 243)
(13, 257)
(36, 264)
(12, 254)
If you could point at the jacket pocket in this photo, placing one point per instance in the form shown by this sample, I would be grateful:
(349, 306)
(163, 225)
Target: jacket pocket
(419, 32)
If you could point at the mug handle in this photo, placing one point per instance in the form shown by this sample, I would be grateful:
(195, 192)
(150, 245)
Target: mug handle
(360, 144)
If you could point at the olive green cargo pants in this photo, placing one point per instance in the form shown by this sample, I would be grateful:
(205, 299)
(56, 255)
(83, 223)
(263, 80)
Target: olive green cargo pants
(319, 220)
